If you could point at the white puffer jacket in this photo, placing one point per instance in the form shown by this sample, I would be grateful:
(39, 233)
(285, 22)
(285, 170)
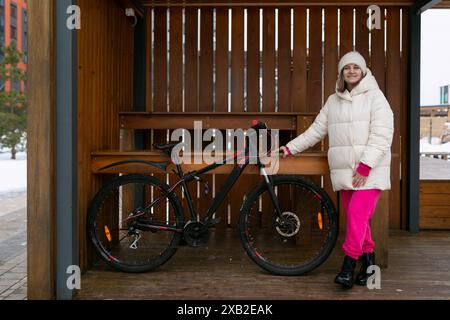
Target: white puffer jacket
(360, 126)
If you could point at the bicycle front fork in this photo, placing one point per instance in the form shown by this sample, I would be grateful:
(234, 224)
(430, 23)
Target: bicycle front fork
(271, 190)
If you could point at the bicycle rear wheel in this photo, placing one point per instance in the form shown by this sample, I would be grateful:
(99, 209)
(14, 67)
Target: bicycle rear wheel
(134, 223)
(299, 241)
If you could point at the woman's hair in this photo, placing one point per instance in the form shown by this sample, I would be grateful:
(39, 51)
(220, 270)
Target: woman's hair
(341, 84)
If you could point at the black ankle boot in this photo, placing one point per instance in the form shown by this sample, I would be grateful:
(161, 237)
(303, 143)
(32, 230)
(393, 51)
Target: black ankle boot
(367, 259)
(345, 277)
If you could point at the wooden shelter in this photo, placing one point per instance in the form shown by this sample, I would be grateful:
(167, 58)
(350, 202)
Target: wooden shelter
(109, 90)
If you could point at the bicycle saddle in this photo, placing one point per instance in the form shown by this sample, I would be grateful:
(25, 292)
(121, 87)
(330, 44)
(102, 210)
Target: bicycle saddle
(162, 165)
(164, 147)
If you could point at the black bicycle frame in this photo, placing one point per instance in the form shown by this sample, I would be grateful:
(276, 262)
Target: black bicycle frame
(226, 187)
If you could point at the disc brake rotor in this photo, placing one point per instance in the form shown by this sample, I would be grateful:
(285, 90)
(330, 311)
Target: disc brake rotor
(288, 225)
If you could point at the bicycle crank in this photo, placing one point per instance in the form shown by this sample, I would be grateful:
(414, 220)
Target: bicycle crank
(195, 233)
(288, 224)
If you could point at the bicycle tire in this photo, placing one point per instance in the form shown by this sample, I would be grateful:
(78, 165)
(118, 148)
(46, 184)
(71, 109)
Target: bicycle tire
(259, 257)
(101, 197)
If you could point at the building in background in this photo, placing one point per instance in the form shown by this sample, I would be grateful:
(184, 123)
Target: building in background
(444, 94)
(13, 27)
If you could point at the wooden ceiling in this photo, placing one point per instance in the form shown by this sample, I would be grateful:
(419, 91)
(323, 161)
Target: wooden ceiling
(445, 4)
(270, 2)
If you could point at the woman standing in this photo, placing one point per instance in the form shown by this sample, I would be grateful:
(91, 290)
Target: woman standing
(360, 126)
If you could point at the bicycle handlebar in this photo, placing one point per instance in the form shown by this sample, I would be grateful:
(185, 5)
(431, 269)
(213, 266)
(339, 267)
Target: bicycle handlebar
(258, 125)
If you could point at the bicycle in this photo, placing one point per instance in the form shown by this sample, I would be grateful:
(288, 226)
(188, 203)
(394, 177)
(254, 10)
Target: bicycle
(145, 224)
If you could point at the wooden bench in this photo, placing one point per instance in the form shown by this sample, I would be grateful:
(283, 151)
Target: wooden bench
(307, 163)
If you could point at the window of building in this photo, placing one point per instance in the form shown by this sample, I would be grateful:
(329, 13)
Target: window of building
(2, 23)
(24, 35)
(13, 21)
(13, 33)
(16, 86)
(444, 94)
(13, 13)
(2, 13)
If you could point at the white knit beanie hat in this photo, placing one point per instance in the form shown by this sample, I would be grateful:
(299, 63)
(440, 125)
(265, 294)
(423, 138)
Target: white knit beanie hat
(353, 57)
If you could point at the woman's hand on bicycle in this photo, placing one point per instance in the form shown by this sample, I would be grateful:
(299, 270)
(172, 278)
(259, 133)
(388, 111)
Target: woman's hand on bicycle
(285, 151)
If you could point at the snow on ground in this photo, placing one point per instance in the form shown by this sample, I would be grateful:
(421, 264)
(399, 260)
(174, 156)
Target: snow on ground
(13, 173)
(7, 156)
(435, 145)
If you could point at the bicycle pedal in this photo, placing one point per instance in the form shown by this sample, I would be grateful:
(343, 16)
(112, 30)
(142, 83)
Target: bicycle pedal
(215, 221)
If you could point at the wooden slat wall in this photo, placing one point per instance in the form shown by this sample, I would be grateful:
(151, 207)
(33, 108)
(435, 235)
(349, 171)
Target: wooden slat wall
(191, 80)
(268, 60)
(405, 115)
(161, 92)
(176, 55)
(270, 2)
(105, 87)
(222, 65)
(434, 204)
(299, 79)
(253, 64)
(284, 100)
(306, 75)
(253, 60)
(394, 95)
(176, 72)
(239, 61)
(314, 75)
(362, 33)
(331, 56)
(377, 59)
(206, 65)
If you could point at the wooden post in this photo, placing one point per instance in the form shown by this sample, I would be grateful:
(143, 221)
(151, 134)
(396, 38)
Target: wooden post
(41, 167)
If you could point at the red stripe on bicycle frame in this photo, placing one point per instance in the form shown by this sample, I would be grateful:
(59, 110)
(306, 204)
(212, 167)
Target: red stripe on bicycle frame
(111, 258)
(241, 164)
(235, 155)
(175, 185)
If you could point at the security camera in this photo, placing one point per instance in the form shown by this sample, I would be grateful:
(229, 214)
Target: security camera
(129, 12)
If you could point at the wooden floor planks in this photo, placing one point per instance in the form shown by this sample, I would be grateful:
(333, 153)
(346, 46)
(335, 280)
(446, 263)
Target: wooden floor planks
(419, 269)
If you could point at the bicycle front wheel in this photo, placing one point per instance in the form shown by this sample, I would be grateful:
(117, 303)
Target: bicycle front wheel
(298, 241)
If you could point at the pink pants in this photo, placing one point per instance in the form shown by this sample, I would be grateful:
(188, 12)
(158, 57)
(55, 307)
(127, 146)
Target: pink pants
(359, 206)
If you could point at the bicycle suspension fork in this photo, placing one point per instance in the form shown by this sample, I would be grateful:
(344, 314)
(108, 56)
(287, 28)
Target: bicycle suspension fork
(269, 185)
